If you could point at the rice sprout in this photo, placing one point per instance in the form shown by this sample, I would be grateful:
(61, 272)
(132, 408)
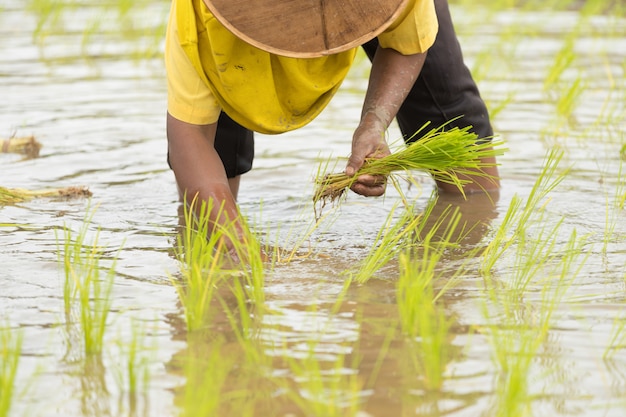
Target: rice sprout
(26, 146)
(17, 195)
(448, 155)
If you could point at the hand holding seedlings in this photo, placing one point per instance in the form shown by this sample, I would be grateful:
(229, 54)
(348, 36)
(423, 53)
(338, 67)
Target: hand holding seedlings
(452, 157)
(368, 143)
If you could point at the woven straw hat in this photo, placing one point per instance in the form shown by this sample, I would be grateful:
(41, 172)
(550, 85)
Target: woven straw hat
(306, 28)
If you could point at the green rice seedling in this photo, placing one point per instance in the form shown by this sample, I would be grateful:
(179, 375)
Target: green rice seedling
(281, 246)
(422, 319)
(125, 6)
(18, 195)
(415, 291)
(519, 213)
(540, 261)
(516, 341)
(531, 257)
(253, 272)
(90, 29)
(610, 115)
(206, 263)
(137, 375)
(48, 13)
(562, 61)
(564, 268)
(201, 267)
(503, 237)
(569, 99)
(392, 237)
(85, 286)
(10, 352)
(617, 340)
(516, 345)
(614, 205)
(147, 39)
(421, 259)
(95, 300)
(27, 146)
(72, 250)
(447, 154)
(408, 232)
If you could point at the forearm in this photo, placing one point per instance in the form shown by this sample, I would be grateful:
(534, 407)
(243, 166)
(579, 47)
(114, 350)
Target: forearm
(391, 79)
(393, 75)
(199, 170)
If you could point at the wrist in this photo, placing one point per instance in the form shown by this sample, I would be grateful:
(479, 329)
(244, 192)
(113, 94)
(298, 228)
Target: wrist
(376, 118)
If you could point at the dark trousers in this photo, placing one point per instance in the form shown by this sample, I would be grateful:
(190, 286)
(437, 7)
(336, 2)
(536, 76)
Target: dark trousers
(444, 91)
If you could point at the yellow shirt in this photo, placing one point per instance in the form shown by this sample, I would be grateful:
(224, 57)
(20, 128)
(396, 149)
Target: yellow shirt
(209, 70)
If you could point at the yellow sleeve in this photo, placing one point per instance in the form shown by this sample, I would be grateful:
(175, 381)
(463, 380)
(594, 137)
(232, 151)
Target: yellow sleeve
(189, 99)
(414, 31)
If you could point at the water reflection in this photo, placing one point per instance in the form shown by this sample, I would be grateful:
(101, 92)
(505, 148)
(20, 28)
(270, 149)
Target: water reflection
(352, 338)
(476, 212)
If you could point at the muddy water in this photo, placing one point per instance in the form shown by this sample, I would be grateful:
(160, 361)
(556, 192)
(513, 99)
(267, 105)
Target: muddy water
(96, 102)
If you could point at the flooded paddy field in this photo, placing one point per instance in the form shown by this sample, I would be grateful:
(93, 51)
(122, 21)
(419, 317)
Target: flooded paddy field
(520, 313)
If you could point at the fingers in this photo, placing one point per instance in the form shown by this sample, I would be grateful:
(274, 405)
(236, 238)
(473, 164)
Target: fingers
(367, 143)
(357, 159)
(355, 162)
(375, 191)
(370, 185)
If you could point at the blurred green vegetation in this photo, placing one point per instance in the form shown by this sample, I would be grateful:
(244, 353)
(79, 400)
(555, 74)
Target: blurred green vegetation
(106, 28)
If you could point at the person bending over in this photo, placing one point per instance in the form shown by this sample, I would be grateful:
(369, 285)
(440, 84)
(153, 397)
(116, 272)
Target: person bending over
(236, 67)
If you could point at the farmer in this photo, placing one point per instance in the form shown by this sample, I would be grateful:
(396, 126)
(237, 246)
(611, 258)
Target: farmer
(238, 66)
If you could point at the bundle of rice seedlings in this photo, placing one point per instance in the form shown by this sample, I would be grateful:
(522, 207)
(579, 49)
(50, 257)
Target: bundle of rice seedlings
(27, 146)
(448, 155)
(17, 195)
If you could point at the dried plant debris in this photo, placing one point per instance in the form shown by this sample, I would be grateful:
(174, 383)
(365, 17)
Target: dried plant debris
(17, 195)
(27, 146)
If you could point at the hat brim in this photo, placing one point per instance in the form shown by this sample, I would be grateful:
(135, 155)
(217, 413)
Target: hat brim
(306, 28)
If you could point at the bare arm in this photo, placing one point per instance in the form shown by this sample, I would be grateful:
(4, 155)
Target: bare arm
(391, 79)
(198, 168)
